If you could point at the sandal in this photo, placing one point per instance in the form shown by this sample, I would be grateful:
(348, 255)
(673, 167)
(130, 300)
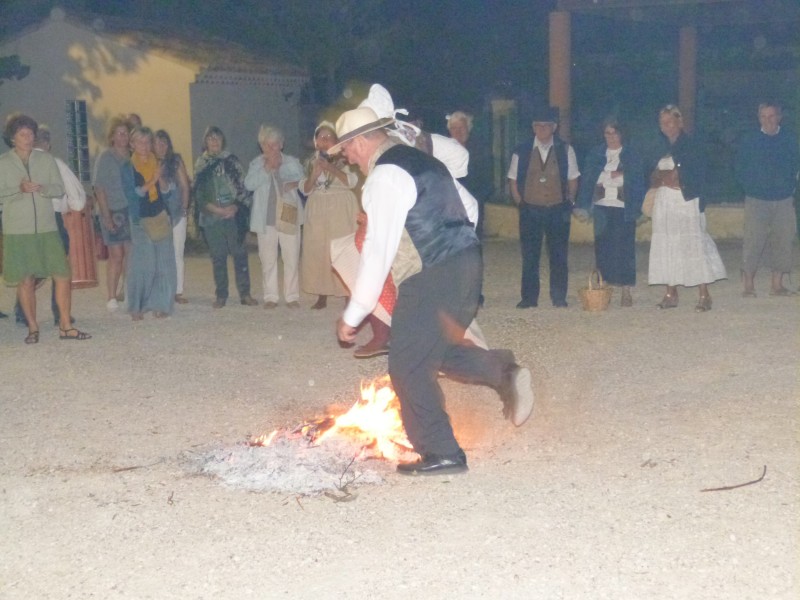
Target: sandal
(781, 292)
(67, 334)
(668, 301)
(703, 304)
(749, 294)
(33, 337)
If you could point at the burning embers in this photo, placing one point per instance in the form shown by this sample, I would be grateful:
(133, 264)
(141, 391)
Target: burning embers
(319, 456)
(373, 422)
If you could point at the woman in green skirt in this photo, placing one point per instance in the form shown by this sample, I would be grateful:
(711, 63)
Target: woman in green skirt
(32, 247)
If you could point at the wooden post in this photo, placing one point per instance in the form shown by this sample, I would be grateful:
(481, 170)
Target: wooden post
(560, 68)
(687, 75)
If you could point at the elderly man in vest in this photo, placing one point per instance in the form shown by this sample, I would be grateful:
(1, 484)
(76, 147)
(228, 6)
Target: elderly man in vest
(417, 228)
(543, 177)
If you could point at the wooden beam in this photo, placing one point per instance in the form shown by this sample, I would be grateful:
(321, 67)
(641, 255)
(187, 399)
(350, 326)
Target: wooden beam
(689, 12)
(687, 75)
(600, 5)
(561, 69)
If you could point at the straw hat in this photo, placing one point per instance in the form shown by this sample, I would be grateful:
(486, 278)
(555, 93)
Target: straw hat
(356, 122)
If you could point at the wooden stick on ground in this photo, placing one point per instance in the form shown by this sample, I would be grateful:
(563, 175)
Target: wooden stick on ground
(733, 487)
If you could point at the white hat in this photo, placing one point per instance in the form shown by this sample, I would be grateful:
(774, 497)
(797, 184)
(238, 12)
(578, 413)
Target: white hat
(356, 122)
(380, 100)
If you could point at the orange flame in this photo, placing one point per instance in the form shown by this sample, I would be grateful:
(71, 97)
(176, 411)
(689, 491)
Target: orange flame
(374, 421)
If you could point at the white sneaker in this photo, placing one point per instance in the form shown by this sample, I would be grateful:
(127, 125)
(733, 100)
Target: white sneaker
(112, 305)
(517, 395)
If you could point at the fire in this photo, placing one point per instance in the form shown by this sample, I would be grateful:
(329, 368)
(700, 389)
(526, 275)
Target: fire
(373, 421)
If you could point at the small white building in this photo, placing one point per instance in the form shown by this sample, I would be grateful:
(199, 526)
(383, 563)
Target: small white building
(181, 85)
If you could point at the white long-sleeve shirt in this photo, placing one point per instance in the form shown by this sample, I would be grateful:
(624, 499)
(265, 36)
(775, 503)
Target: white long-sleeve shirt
(388, 194)
(74, 197)
(572, 162)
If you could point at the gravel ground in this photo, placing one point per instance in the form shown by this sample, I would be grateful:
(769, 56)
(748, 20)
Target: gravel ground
(597, 496)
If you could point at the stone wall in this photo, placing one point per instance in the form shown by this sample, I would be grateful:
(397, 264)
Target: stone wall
(725, 221)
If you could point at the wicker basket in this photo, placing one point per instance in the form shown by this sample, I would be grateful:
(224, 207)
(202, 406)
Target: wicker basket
(596, 296)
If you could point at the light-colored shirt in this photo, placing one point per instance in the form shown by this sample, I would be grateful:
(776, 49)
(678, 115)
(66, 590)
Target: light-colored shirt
(611, 184)
(388, 194)
(544, 150)
(259, 181)
(454, 156)
(107, 175)
(75, 196)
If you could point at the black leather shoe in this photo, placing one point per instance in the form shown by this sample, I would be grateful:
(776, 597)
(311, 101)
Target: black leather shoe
(526, 304)
(560, 303)
(434, 464)
(516, 392)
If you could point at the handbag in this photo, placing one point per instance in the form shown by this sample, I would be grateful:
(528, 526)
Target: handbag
(595, 296)
(287, 217)
(289, 214)
(158, 227)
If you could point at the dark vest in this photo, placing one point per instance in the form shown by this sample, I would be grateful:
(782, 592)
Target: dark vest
(524, 151)
(437, 223)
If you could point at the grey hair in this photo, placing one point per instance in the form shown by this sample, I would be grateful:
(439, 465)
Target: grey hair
(673, 110)
(460, 115)
(43, 135)
(268, 133)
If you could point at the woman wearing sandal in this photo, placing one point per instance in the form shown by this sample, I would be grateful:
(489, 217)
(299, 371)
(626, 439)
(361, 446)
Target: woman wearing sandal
(681, 251)
(32, 246)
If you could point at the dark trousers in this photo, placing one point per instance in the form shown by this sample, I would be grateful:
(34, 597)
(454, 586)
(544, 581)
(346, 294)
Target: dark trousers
(62, 231)
(615, 245)
(551, 224)
(433, 309)
(223, 238)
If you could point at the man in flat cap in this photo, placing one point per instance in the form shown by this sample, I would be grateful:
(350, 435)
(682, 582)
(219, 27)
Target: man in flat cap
(418, 229)
(543, 177)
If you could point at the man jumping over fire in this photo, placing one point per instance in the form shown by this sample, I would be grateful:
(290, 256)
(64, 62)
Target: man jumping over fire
(419, 230)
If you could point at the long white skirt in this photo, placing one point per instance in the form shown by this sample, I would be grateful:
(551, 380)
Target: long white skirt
(681, 251)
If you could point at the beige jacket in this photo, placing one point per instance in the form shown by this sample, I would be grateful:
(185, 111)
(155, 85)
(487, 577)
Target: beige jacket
(29, 213)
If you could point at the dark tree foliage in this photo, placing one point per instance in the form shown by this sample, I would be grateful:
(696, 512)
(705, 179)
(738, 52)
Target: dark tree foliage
(12, 68)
